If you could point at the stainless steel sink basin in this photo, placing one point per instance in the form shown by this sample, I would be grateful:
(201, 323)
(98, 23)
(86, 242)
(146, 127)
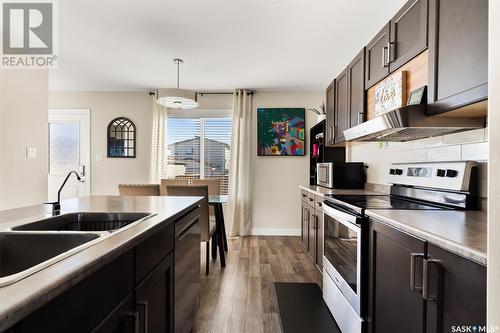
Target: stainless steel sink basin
(24, 253)
(84, 222)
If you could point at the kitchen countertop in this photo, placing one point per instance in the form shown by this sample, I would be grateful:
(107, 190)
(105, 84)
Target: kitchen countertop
(25, 296)
(368, 190)
(461, 232)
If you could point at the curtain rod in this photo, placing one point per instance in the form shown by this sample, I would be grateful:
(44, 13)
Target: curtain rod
(221, 93)
(151, 93)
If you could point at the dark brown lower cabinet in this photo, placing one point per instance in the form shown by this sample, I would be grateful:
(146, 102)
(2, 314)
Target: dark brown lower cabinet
(312, 235)
(83, 307)
(154, 299)
(415, 286)
(392, 305)
(456, 291)
(312, 228)
(304, 235)
(123, 319)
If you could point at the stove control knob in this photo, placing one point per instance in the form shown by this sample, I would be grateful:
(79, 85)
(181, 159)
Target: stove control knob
(399, 172)
(441, 173)
(392, 171)
(451, 173)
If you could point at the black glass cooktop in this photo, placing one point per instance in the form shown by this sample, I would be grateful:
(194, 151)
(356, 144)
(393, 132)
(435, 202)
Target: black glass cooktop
(383, 202)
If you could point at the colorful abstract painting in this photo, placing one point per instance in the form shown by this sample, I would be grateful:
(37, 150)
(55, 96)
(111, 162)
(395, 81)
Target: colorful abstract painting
(280, 131)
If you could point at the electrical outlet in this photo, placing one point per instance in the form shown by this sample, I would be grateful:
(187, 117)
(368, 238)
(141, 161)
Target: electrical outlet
(30, 152)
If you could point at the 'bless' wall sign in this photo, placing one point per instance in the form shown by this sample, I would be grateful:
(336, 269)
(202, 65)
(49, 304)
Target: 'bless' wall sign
(390, 94)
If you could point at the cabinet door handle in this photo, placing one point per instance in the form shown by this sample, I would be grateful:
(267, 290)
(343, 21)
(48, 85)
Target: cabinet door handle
(384, 52)
(145, 305)
(390, 46)
(135, 315)
(428, 263)
(332, 134)
(360, 117)
(413, 257)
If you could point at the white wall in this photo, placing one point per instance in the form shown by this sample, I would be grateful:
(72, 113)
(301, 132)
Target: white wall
(467, 146)
(23, 113)
(493, 305)
(105, 106)
(138, 106)
(276, 180)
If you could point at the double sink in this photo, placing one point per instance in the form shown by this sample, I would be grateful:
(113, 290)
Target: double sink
(28, 248)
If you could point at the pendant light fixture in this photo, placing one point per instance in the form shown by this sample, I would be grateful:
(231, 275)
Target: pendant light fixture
(177, 98)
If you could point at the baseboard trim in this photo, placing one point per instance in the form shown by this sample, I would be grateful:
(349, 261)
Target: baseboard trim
(275, 232)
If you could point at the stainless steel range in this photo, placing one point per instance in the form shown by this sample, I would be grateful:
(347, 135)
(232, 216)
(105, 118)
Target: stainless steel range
(419, 186)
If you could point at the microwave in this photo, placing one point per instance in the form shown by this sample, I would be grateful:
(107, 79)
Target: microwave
(341, 175)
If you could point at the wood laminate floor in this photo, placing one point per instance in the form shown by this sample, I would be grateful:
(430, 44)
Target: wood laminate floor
(241, 297)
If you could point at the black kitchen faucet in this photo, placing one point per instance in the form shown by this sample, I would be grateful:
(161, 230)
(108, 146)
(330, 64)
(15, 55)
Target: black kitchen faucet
(56, 205)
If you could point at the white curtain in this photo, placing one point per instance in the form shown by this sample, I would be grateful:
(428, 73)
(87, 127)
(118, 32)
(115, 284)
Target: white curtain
(158, 143)
(238, 209)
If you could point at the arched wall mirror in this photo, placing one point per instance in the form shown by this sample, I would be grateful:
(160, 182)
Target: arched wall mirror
(121, 138)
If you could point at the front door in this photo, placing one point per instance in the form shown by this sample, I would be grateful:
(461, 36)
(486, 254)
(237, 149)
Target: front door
(69, 149)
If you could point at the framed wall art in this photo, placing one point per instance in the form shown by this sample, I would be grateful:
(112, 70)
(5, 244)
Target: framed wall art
(281, 131)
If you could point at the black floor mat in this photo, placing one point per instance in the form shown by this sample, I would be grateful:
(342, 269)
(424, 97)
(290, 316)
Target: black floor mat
(302, 309)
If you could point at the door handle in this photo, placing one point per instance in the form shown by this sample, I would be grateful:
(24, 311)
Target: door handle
(82, 173)
(145, 305)
(360, 117)
(384, 63)
(413, 257)
(389, 52)
(427, 264)
(134, 315)
(332, 133)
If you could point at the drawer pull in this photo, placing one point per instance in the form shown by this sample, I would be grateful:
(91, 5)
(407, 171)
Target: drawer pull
(413, 257)
(145, 305)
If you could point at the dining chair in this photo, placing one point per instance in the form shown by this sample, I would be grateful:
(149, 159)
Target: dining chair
(213, 185)
(213, 189)
(166, 182)
(208, 227)
(139, 189)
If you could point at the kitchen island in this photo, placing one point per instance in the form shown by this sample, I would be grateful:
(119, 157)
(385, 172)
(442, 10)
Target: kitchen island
(125, 280)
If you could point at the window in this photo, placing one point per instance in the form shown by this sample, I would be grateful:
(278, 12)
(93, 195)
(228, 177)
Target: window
(198, 148)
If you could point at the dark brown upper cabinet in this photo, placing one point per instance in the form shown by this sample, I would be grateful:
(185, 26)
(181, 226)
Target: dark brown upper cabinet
(377, 64)
(356, 86)
(341, 106)
(330, 114)
(402, 39)
(458, 54)
(408, 33)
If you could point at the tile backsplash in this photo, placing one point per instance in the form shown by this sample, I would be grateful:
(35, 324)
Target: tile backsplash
(464, 146)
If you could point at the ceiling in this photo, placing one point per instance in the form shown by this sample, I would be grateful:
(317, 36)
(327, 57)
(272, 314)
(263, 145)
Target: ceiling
(112, 45)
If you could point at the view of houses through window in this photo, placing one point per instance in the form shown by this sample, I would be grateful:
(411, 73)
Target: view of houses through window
(198, 148)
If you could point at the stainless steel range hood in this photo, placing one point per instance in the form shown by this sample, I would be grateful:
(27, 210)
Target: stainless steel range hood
(410, 123)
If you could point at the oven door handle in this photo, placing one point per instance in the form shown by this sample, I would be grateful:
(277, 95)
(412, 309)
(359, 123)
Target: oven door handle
(341, 216)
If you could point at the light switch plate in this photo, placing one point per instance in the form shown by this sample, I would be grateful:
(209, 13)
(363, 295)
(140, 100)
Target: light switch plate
(30, 152)
(98, 157)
